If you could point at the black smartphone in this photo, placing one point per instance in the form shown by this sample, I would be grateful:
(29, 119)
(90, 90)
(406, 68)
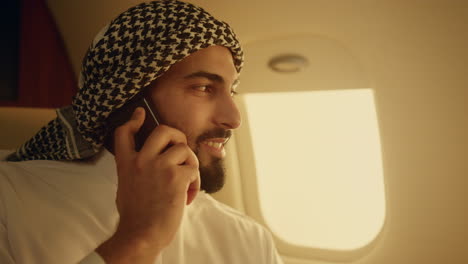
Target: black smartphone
(123, 114)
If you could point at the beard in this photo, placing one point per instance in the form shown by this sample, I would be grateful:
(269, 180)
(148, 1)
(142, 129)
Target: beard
(213, 174)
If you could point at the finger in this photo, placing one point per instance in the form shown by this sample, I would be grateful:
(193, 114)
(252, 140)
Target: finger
(192, 159)
(159, 139)
(180, 154)
(195, 180)
(124, 136)
(194, 188)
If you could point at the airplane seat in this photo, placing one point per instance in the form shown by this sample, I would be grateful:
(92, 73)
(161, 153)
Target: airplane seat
(21, 123)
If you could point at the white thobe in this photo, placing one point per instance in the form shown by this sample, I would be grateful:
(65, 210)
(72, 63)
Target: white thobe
(60, 211)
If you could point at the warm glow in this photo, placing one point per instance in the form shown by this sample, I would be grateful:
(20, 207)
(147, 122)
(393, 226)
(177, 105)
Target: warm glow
(319, 166)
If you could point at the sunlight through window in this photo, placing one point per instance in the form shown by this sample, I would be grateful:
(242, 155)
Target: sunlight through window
(319, 166)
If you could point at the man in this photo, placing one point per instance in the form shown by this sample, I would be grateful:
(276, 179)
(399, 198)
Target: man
(66, 200)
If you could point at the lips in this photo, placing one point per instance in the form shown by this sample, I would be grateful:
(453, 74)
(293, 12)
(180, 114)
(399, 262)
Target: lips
(216, 145)
(216, 142)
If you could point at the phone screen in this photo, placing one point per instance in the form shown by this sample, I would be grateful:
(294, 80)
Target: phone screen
(123, 114)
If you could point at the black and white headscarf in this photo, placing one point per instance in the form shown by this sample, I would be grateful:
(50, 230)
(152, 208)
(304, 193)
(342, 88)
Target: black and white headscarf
(127, 55)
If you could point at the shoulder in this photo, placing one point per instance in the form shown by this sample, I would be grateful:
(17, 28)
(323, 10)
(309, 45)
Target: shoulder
(55, 184)
(65, 199)
(62, 174)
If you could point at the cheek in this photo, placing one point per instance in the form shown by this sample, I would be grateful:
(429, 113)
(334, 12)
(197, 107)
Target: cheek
(172, 110)
(193, 127)
(189, 114)
(190, 122)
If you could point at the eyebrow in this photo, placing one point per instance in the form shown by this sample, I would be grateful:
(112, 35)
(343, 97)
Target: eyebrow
(211, 76)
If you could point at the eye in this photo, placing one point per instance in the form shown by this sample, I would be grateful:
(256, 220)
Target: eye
(202, 88)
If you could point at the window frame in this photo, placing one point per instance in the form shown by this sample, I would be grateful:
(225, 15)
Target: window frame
(242, 148)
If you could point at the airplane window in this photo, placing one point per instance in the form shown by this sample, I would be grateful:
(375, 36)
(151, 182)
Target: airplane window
(318, 165)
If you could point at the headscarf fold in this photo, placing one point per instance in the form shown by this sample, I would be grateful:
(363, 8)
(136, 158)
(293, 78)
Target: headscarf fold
(127, 55)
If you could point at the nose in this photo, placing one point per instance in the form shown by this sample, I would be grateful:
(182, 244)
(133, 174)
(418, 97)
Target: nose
(227, 114)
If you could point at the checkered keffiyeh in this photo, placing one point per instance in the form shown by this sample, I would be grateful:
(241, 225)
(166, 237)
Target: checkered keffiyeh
(127, 55)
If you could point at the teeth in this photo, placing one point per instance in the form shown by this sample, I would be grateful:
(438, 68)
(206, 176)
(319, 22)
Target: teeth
(214, 144)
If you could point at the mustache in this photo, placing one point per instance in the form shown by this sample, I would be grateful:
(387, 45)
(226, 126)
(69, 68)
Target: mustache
(215, 133)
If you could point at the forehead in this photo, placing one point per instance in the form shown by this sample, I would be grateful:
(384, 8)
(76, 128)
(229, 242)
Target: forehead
(215, 59)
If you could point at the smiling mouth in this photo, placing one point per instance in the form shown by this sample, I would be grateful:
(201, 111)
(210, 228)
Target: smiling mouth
(216, 143)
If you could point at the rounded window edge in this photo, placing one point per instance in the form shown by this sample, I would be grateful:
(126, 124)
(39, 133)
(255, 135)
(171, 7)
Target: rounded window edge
(294, 253)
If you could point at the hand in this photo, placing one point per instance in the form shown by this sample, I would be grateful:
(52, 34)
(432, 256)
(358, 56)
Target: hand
(154, 185)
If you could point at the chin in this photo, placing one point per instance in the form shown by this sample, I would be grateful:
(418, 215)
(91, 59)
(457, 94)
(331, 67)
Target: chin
(213, 176)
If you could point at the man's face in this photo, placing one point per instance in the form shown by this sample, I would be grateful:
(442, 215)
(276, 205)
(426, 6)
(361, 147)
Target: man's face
(195, 96)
